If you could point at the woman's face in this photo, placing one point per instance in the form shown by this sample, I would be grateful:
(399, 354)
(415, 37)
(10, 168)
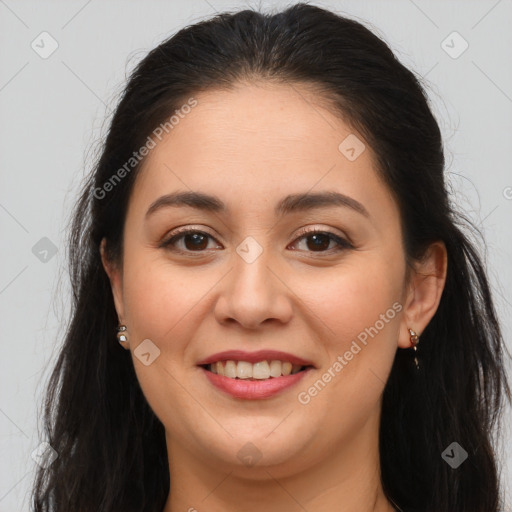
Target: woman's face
(252, 280)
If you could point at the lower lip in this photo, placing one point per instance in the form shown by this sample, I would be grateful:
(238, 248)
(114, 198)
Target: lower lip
(254, 389)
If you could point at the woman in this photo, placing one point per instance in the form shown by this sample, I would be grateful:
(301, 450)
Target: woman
(268, 236)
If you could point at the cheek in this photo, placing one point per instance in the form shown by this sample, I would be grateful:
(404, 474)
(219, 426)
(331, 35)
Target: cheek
(159, 295)
(351, 298)
(358, 312)
(161, 302)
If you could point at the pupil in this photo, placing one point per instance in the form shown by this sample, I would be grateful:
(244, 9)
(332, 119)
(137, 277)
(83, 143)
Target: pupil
(197, 238)
(316, 237)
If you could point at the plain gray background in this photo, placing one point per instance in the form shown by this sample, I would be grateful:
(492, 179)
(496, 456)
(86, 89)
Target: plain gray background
(52, 111)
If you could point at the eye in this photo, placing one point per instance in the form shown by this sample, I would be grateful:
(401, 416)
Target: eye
(193, 239)
(321, 240)
(197, 241)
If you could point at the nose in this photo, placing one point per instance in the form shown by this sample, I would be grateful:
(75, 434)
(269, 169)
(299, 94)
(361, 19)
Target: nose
(254, 292)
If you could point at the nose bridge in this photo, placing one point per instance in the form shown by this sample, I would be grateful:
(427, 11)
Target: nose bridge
(252, 266)
(253, 293)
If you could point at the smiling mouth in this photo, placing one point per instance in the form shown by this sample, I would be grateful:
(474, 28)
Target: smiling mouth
(262, 370)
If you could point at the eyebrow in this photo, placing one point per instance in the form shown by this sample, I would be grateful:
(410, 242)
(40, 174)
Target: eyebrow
(289, 204)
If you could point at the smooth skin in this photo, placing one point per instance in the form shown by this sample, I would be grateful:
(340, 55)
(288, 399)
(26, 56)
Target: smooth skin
(251, 146)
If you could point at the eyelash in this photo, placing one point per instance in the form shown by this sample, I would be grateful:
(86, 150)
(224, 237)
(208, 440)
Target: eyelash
(304, 233)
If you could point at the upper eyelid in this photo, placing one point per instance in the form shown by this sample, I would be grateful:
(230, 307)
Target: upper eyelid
(304, 231)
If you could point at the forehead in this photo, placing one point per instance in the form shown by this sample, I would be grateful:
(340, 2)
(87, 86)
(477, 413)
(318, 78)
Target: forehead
(279, 118)
(256, 141)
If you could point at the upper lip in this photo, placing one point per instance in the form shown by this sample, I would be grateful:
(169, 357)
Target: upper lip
(255, 357)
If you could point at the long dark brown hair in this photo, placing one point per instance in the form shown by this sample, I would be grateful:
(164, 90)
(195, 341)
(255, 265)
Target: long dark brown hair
(111, 447)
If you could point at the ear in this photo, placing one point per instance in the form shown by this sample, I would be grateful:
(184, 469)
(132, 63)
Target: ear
(424, 292)
(116, 282)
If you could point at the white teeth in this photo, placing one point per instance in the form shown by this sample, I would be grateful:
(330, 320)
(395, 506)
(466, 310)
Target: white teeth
(244, 370)
(286, 368)
(261, 370)
(275, 368)
(230, 369)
